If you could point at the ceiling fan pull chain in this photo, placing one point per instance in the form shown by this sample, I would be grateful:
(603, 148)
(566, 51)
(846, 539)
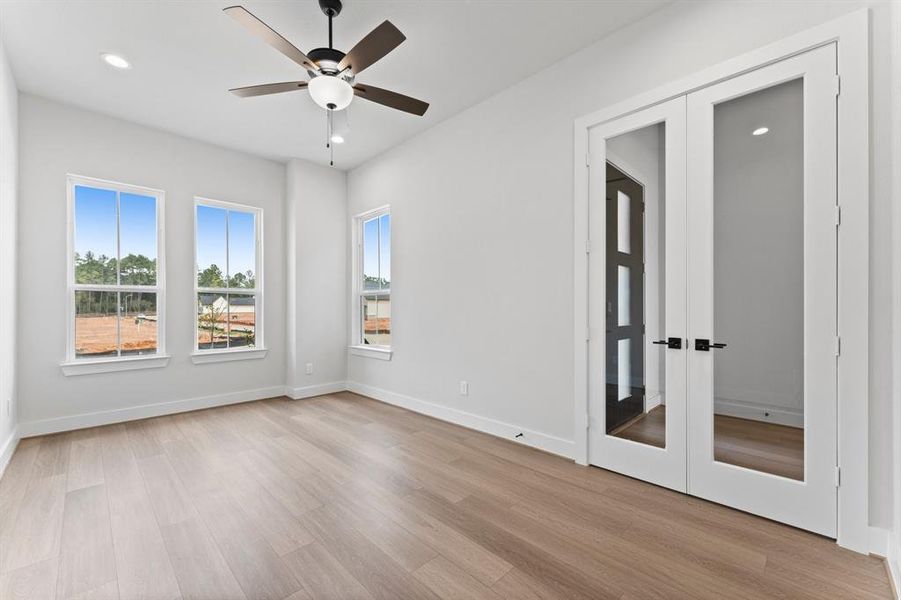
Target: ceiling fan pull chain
(329, 144)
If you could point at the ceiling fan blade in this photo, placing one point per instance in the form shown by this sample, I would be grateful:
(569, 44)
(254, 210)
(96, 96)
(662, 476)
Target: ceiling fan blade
(391, 99)
(379, 42)
(268, 35)
(268, 88)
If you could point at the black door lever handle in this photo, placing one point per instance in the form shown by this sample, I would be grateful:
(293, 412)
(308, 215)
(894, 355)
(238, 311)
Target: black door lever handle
(673, 343)
(704, 345)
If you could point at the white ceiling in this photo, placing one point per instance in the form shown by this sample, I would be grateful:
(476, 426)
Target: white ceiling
(186, 54)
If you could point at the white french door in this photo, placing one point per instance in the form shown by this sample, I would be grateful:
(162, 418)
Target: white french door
(637, 295)
(712, 294)
(762, 247)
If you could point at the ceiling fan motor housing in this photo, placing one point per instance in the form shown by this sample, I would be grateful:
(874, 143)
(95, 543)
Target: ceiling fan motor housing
(331, 8)
(326, 59)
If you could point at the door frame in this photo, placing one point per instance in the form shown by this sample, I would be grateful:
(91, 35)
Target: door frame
(850, 33)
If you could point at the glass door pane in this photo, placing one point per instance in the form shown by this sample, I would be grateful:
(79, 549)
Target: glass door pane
(758, 275)
(628, 190)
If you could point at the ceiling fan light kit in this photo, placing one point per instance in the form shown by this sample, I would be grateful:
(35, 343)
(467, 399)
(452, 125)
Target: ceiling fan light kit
(332, 73)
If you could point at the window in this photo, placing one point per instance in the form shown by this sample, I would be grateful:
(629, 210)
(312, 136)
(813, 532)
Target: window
(115, 276)
(372, 296)
(229, 279)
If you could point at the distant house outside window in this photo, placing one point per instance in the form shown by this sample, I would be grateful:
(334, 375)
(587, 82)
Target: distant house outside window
(115, 290)
(228, 276)
(373, 284)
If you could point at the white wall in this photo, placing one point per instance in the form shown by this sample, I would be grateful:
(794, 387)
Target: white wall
(482, 222)
(9, 172)
(56, 139)
(316, 220)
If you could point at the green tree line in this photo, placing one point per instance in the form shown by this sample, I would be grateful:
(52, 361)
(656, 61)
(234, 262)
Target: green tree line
(213, 277)
(135, 269)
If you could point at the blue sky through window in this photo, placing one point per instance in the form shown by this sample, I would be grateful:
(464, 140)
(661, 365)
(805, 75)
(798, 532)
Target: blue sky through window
(214, 245)
(377, 248)
(95, 223)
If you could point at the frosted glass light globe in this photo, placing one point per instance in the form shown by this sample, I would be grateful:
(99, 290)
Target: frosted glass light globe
(328, 89)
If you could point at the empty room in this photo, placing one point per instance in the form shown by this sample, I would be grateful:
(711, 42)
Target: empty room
(450, 299)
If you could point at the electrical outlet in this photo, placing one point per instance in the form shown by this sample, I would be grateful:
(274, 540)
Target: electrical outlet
(309, 368)
(464, 388)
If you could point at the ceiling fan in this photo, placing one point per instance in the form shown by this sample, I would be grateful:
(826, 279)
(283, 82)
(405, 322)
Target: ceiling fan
(332, 83)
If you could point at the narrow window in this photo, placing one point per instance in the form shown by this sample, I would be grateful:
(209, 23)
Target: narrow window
(229, 278)
(373, 285)
(115, 270)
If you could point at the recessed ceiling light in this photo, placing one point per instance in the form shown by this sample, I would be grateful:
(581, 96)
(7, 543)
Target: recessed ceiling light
(760, 131)
(114, 60)
(338, 139)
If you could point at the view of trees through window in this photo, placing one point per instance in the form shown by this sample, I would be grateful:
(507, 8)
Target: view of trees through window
(114, 257)
(226, 277)
(375, 299)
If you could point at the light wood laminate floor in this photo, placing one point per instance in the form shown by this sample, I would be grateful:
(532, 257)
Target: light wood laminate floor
(343, 497)
(766, 447)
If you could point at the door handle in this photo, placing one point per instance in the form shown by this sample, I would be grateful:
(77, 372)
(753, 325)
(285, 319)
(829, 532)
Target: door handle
(704, 345)
(672, 343)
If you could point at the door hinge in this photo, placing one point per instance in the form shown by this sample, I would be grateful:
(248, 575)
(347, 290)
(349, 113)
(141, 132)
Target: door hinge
(588, 334)
(588, 159)
(587, 246)
(838, 346)
(838, 216)
(837, 84)
(838, 476)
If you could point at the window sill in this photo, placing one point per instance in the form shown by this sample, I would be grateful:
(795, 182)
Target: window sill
(217, 356)
(371, 352)
(91, 366)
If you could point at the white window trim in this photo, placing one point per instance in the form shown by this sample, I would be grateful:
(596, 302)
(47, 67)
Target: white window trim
(356, 346)
(84, 366)
(215, 355)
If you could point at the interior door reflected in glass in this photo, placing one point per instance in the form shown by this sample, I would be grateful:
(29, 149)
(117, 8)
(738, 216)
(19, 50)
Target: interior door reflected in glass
(758, 262)
(635, 289)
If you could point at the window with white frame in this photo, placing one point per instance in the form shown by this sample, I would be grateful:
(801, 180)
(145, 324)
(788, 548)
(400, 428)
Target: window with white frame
(229, 279)
(115, 270)
(373, 284)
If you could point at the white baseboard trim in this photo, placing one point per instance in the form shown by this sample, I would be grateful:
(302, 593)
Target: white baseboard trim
(8, 449)
(758, 412)
(542, 441)
(95, 419)
(316, 390)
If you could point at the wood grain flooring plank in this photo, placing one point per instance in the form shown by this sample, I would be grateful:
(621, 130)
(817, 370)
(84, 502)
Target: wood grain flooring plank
(375, 570)
(87, 563)
(479, 562)
(168, 496)
(36, 581)
(53, 455)
(35, 534)
(143, 569)
(85, 463)
(323, 577)
(201, 570)
(278, 525)
(448, 580)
